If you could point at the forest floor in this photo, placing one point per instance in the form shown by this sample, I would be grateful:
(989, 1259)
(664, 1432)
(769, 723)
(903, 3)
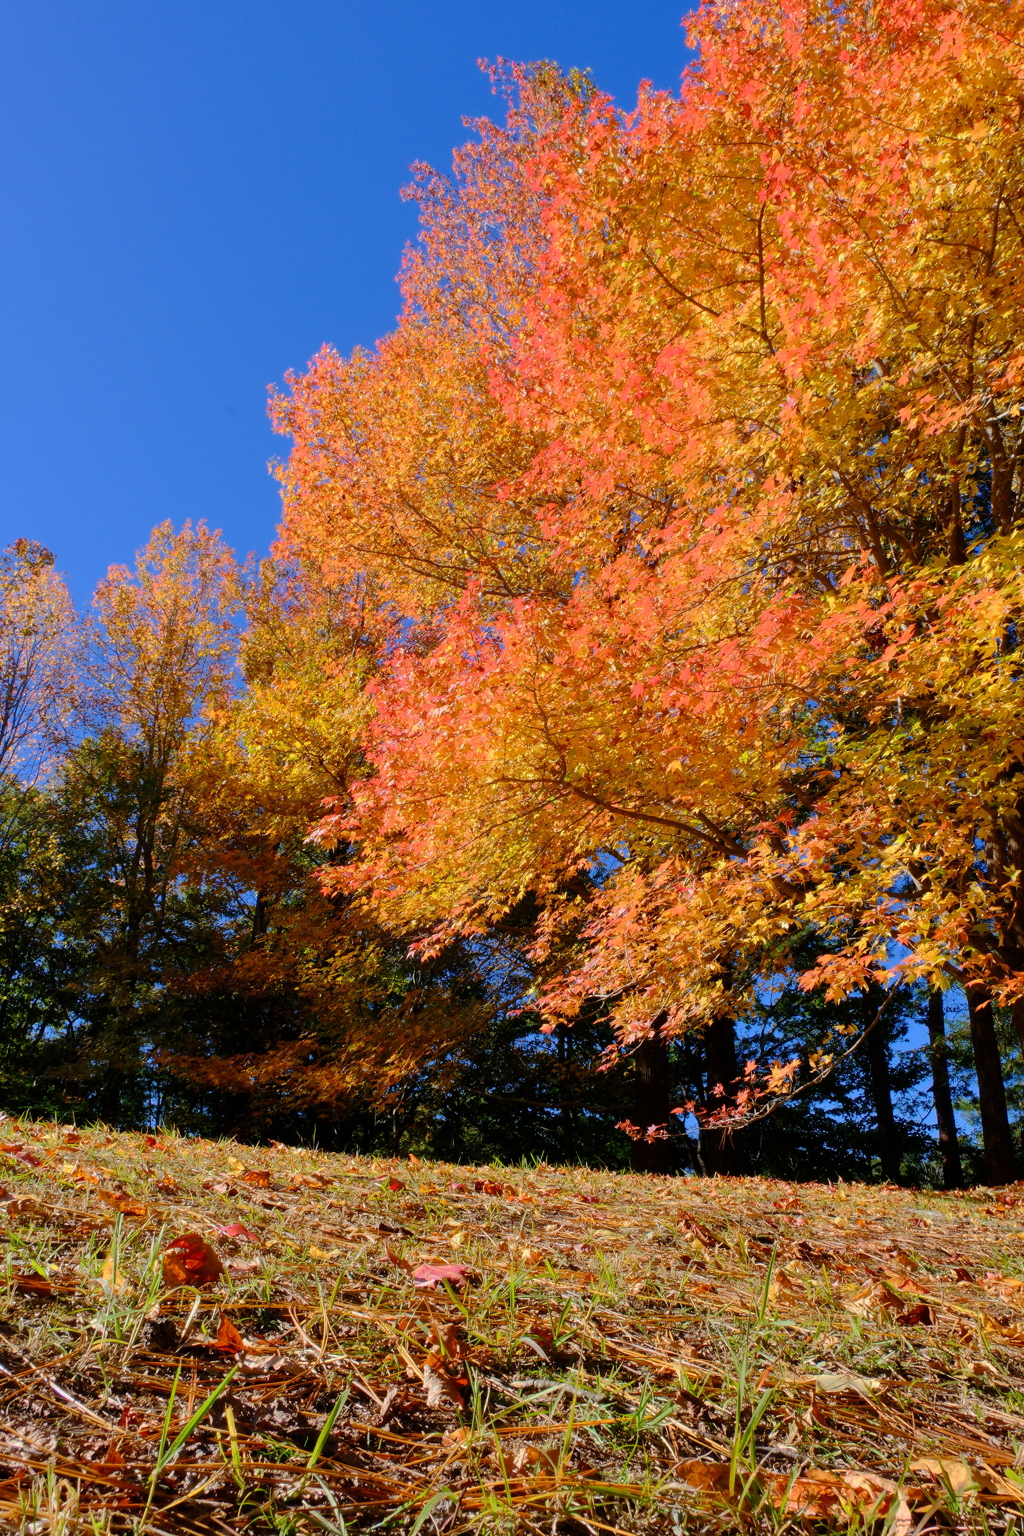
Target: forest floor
(202, 1337)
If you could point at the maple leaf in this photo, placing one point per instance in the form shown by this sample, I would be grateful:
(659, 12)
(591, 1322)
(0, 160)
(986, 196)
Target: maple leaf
(428, 1277)
(190, 1260)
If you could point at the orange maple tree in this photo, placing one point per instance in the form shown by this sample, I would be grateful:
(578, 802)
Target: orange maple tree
(692, 473)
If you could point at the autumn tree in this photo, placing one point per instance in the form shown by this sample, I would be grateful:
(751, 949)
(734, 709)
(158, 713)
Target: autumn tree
(37, 637)
(727, 393)
(158, 660)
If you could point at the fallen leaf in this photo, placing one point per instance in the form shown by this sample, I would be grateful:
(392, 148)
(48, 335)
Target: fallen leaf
(816, 1494)
(441, 1388)
(190, 1260)
(17, 1149)
(395, 1185)
(126, 1204)
(427, 1277)
(26, 1206)
(111, 1278)
(238, 1230)
(957, 1474)
(260, 1177)
(228, 1337)
(919, 1315)
(873, 1297)
(845, 1381)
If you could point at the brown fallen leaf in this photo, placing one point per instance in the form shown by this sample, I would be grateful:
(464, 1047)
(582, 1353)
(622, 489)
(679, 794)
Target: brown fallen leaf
(260, 1177)
(817, 1494)
(190, 1260)
(26, 1206)
(963, 1479)
(442, 1389)
(920, 1315)
(873, 1297)
(126, 1204)
(308, 1181)
(228, 1337)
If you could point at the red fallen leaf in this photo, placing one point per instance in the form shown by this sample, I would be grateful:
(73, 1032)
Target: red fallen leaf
(228, 1337)
(395, 1184)
(238, 1229)
(149, 1141)
(587, 1199)
(258, 1176)
(17, 1149)
(963, 1275)
(427, 1277)
(190, 1260)
(459, 1189)
(919, 1315)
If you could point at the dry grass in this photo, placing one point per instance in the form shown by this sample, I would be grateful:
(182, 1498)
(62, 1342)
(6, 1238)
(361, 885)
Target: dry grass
(626, 1354)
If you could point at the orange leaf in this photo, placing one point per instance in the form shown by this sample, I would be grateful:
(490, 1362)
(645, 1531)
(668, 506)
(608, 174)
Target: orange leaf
(127, 1204)
(228, 1337)
(190, 1260)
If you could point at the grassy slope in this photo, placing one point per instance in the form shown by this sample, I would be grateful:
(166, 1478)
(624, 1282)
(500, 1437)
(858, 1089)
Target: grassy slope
(623, 1351)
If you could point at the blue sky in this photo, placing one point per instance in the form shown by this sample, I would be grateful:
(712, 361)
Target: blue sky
(195, 196)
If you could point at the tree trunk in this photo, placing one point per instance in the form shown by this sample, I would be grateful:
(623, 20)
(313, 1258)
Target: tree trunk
(651, 1101)
(881, 1095)
(949, 1147)
(721, 1151)
(1000, 1163)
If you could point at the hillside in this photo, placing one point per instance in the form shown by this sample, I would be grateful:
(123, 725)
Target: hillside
(347, 1343)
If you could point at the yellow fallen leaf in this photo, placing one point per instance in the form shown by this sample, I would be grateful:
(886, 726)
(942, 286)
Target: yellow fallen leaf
(112, 1279)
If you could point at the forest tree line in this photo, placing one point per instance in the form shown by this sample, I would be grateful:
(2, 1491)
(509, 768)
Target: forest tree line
(619, 756)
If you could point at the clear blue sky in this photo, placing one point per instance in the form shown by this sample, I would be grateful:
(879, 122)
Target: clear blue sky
(196, 195)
